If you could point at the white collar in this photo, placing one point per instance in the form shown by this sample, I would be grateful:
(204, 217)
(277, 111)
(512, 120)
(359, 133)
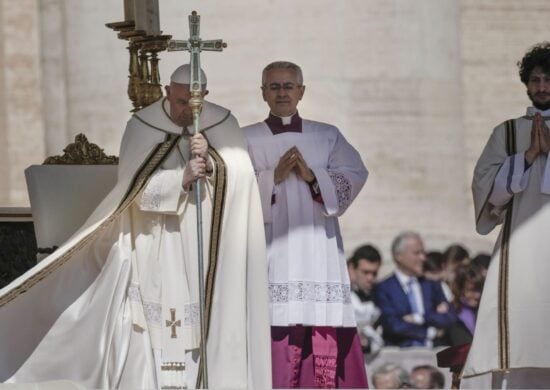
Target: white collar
(286, 119)
(404, 279)
(533, 110)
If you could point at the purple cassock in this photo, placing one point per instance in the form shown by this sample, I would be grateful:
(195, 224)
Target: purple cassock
(317, 357)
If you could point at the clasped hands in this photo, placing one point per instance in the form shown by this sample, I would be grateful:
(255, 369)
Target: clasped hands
(199, 166)
(441, 308)
(293, 161)
(540, 139)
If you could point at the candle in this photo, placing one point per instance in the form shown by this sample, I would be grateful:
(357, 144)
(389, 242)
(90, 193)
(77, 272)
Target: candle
(129, 10)
(147, 16)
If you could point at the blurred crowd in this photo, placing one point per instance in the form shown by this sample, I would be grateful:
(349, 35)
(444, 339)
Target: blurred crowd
(393, 376)
(430, 300)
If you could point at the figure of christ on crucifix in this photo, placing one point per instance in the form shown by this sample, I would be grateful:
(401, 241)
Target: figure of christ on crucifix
(133, 266)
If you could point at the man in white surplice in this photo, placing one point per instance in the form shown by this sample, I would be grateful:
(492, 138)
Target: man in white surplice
(308, 175)
(511, 186)
(117, 305)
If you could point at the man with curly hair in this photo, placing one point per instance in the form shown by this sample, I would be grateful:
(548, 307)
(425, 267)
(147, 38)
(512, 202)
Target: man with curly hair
(511, 186)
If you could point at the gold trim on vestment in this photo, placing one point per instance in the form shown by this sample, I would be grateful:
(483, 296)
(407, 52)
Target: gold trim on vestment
(218, 206)
(173, 366)
(184, 132)
(503, 314)
(156, 157)
(215, 228)
(504, 329)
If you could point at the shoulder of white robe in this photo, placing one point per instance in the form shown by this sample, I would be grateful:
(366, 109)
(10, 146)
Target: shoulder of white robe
(156, 117)
(213, 115)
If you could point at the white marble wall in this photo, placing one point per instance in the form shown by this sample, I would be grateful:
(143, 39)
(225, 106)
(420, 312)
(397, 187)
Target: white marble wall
(21, 126)
(84, 69)
(416, 86)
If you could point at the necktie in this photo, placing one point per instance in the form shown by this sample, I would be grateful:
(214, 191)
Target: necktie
(414, 306)
(411, 296)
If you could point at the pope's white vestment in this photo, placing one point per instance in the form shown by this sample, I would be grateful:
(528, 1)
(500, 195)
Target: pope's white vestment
(511, 336)
(116, 306)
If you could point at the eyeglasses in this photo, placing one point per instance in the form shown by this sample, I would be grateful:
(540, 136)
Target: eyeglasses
(289, 87)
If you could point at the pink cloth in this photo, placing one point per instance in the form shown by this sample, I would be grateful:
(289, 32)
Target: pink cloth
(325, 352)
(317, 357)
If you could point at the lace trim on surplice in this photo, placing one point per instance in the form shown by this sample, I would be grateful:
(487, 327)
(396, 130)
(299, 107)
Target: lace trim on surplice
(343, 189)
(309, 292)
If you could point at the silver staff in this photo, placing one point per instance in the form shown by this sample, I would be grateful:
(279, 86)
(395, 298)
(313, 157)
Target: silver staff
(195, 45)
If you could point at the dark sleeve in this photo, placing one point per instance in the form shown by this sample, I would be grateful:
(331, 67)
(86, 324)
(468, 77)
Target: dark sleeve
(315, 191)
(432, 317)
(392, 320)
(458, 334)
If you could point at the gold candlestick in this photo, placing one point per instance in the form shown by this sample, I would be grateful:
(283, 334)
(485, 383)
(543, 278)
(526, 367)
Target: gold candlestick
(153, 45)
(144, 85)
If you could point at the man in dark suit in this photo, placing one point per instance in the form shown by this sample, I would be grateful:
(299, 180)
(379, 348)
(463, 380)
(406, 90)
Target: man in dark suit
(414, 309)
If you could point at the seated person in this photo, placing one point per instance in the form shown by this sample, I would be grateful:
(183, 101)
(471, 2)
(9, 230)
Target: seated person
(482, 260)
(414, 309)
(427, 377)
(467, 287)
(454, 256)
(435, 268)
(364, 265)
(391, 376)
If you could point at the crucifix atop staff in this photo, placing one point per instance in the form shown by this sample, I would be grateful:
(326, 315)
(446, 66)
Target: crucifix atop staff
(195, 45)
